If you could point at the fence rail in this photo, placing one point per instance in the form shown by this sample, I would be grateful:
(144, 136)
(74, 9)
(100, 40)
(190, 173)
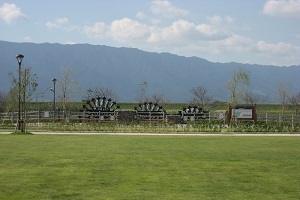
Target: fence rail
(71, 116)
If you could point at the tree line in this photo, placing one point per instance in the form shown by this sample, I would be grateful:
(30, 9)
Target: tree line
(238, 87)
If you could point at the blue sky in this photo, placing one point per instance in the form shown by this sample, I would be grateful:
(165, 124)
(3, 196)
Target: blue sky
(256, 32)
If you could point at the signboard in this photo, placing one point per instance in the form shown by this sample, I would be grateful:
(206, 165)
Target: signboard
(46, 114)
(242, 113)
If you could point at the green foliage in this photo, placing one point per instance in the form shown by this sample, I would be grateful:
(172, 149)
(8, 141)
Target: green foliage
(28, 87)
(67, 88)
(238, 85)
(3, 101)
(21, 133)
(171, 108)
(149, 167)
(264, 127)
(7, 127)
(159, 127)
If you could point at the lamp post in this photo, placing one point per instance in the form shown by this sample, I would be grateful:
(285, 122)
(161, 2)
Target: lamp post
(53, 90)
(20, 121)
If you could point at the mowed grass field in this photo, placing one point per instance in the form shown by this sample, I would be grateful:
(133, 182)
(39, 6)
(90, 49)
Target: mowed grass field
(149, 167)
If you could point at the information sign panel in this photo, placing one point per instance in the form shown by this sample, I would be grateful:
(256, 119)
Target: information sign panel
(242, 113)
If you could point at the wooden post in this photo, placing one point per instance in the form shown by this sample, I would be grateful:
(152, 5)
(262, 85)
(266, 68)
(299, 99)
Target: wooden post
(292, 121)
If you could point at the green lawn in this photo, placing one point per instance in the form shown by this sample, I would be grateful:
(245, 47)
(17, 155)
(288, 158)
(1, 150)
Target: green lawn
(149, 167)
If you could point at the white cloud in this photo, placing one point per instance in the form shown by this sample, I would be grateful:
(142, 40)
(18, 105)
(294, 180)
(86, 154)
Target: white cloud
(282, 8)
(181, 37)
(70, 42)
(141, 15)
(155, 21)
(215, 40)
(217, 20)
(58, 23)
(124, 30)
(184, 32)
(235, 43)
(166, 9)
(210, 32)
(61, 23)
(10, 13)
(279, 48)
(27, 38)
(229, 19)
(97, 31)
(280, 53)
(127, 30)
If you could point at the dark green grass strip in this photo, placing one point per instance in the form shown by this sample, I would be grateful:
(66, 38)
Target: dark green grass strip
(149, 167)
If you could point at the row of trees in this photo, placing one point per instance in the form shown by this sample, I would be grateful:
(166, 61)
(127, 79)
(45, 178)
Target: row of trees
(67, 87)
(240, 93)
(28, 85)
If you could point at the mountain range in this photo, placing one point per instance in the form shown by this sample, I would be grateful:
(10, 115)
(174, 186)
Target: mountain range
(124, 69)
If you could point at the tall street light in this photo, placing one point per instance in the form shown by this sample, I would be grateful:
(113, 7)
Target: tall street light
(53, 90)
(20, 122)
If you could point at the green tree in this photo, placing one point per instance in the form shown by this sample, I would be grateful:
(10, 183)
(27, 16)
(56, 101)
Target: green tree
(251, 97)
(283, 91)
(238, 86)
(3, 101)
(295, 101)
(142, 97)
(201, 96)
(67, 88)
(28, 89)
(160, 99)
(101, 92)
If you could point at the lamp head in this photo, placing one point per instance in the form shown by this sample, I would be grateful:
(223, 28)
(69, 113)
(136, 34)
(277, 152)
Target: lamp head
(54, 80)
(19, 58)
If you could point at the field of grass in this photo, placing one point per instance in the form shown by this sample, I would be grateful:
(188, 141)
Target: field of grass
(149, 167)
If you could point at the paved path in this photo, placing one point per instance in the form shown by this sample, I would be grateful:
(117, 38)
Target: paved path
(162, 133)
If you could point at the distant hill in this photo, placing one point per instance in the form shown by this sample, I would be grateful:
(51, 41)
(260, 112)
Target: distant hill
(124, 69)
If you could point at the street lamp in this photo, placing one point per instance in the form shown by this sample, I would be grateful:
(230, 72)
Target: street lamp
(20, 122)
(53, 90)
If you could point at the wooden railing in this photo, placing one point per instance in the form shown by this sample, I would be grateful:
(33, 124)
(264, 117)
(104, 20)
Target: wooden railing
(72, 116)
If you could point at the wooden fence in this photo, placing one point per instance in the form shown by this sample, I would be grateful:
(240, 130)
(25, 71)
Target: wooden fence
(71, 116)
